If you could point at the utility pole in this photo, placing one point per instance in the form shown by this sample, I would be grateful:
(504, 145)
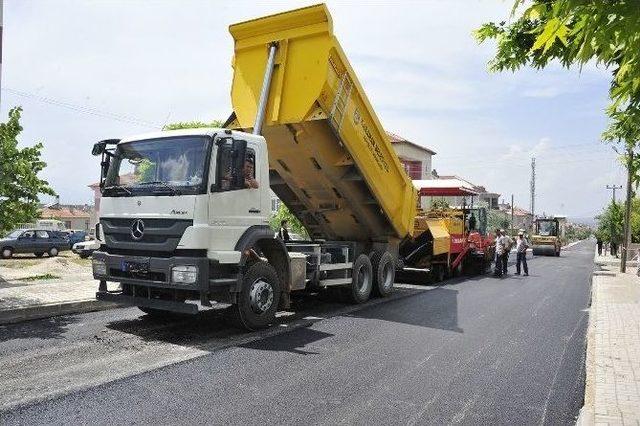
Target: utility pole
(613, 188)
(532, 204)
(511, 214)
(613, 200)
(627, 213)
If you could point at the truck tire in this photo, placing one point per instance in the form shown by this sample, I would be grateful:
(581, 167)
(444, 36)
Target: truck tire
(7, 252)
(361, 280)
(258, 299)
(53, 252)
(384, 273)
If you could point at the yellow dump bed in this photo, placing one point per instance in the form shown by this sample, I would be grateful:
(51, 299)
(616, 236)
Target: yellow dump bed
(331, 161)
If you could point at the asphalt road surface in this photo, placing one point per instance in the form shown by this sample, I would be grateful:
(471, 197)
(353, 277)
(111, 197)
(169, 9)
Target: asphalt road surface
(480, 350)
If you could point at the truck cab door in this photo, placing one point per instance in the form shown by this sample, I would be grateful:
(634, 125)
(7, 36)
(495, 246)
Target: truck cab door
(237, 191)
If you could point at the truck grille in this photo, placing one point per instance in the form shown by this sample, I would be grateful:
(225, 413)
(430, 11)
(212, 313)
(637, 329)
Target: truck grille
(161, 235)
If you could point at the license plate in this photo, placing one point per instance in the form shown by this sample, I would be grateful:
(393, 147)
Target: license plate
(139, 267)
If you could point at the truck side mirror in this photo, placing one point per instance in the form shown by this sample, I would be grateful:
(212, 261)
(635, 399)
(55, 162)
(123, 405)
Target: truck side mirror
(99, 148)
(239, 153)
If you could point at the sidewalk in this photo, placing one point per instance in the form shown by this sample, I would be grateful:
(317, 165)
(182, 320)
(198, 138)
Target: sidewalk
(608, 260)
(612, 394)
(22, 301)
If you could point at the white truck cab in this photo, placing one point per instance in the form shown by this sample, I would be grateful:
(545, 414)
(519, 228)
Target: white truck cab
(184, 217)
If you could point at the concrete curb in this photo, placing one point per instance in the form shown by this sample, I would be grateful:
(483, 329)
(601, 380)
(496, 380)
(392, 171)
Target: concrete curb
(586, 416)
(27, 313)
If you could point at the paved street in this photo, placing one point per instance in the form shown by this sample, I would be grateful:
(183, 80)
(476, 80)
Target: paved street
(483, 350)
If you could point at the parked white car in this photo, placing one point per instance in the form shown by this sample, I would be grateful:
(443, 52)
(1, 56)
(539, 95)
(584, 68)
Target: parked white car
(85, 248)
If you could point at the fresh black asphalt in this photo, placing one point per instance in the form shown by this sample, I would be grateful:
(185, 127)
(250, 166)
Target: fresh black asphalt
(481, 350)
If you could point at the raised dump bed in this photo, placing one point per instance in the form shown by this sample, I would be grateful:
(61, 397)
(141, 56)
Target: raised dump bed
(330, 160)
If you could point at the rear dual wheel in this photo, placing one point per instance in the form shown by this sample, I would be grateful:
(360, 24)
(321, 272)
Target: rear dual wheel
(361, 280)
(384, 273)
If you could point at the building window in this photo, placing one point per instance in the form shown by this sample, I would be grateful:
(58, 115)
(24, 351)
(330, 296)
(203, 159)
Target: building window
(413, 168)
(67, 224)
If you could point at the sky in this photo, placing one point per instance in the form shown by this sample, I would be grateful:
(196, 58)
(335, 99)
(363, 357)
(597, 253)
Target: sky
(90, 70)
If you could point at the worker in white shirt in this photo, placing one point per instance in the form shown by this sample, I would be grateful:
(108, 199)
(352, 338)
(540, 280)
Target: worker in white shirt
(521, 253)
(507, 242)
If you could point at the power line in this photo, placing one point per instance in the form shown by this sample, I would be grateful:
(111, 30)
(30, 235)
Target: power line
(85, 109)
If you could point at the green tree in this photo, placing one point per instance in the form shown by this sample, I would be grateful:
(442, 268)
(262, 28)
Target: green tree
(295, 225)
(440, 203)
(611, 223)
(192, 125)
(573, 32)
(19, 181)
(497, 219)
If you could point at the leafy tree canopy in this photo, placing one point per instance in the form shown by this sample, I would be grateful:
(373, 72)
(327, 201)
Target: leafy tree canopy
(294, 224)
(192, 125)
(573, 32)
(19, 181)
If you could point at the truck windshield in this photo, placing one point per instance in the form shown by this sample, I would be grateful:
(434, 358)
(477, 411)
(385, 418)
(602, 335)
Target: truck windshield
(546, 228)
(168, 166)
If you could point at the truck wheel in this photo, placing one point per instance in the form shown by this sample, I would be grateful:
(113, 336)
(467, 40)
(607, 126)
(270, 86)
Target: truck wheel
(53, 252)
(384, 273)
(7, 252)
(361, 280)
(39, 253)
(258, 299)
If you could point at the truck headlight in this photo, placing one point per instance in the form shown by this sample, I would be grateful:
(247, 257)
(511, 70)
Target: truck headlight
(99, 268)
(184, 274)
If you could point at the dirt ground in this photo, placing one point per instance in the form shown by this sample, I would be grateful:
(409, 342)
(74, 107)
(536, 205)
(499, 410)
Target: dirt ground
(66, 266)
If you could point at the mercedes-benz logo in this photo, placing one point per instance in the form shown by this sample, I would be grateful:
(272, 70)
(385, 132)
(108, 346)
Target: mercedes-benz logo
(137, 229)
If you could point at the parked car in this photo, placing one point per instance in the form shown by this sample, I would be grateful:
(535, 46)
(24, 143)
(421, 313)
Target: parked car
(84, 249)
(36, 241)
(76, 236)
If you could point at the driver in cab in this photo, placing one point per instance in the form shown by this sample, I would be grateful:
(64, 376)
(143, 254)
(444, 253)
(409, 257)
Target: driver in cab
(249, 173)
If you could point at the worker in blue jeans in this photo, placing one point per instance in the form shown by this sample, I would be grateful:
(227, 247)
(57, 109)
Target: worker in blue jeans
(521, 253)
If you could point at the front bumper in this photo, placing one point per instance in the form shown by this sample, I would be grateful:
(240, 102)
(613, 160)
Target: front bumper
(158, 273)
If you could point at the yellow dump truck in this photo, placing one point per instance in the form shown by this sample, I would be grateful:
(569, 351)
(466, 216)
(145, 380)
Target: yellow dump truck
(190, 223)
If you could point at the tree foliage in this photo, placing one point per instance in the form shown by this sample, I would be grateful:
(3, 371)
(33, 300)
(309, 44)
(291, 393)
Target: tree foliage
(575, 232)
(573, 32)
(610, 223)
(19, 181)
(192, 125)
(497, 219)
(294, 224)
(440, 203)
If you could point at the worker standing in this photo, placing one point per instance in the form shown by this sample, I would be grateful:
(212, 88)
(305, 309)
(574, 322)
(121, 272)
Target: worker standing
(499, 253)
(521, 254)
(507, 242)
(283, 233)
(599, 242)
